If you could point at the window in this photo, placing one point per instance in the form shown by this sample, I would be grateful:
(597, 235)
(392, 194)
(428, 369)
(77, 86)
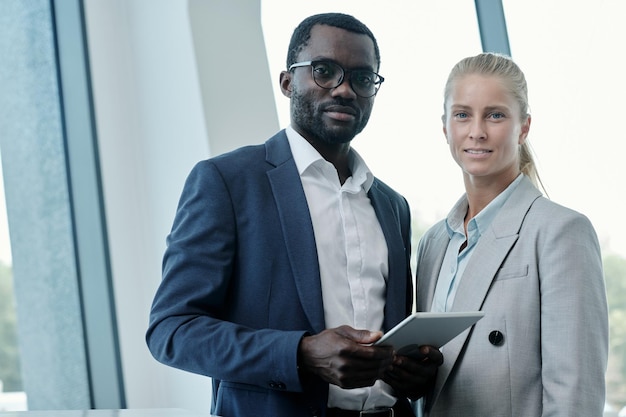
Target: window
(572, 65)
(576, 85)
(12, 395)
(59, 263)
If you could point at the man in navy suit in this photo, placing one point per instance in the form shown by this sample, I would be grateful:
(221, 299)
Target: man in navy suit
(287, 260)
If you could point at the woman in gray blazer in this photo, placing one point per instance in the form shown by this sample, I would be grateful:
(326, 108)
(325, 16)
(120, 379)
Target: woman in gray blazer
(534, 267)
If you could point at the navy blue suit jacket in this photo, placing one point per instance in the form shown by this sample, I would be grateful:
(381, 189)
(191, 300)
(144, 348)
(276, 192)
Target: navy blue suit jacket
(241, 282)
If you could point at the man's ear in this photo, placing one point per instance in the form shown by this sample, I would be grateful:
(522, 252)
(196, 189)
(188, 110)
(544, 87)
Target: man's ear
(285, 83)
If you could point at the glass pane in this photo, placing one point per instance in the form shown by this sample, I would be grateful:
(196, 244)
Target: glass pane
(12, 396)
(51, 329)
(573, 61)
(419, 42)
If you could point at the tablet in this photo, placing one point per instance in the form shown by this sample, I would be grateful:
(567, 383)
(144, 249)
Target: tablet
(434, 329)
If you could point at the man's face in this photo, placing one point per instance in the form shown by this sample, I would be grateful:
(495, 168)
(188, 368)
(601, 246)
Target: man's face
(337, 115)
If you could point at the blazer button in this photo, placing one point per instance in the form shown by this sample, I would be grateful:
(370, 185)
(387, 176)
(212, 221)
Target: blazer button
(277, 385)
(496, 338)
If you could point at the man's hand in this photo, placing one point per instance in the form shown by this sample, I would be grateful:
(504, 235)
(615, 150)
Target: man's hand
(344, 356)
(414, 376)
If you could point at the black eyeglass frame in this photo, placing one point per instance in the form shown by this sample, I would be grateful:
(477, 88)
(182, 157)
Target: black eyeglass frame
(379, 78)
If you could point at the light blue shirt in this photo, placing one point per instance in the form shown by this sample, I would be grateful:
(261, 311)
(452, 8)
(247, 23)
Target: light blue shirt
(456, 259)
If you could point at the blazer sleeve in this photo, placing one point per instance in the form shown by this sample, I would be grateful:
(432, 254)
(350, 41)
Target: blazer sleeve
(574, 316)
(188, 328)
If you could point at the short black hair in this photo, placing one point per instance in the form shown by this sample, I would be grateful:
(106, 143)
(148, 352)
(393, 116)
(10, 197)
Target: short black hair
(302, 33)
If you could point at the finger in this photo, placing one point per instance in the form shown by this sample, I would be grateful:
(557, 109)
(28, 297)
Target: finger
(432, 354)
(357, 347)
(411, 373)
(360, 336)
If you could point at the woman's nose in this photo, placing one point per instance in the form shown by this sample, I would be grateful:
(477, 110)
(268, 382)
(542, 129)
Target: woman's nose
(477, 131)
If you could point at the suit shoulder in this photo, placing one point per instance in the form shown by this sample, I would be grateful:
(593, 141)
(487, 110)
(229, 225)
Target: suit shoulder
(388, 191)
(252, 157)
(435, 230)
(546, 208)
(237, 162)
(553, 219)
(240, 156)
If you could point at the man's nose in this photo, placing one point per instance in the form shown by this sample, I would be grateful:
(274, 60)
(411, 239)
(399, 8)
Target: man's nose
(344, 89)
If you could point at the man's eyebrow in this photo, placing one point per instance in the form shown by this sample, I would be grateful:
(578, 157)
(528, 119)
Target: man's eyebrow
(358, 67)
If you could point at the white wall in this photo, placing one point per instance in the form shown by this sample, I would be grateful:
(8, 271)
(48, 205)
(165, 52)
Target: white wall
(158, 107)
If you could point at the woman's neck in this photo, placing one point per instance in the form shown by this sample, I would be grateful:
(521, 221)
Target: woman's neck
(481, 191)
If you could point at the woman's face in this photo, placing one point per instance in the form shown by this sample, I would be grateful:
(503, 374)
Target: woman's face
(483, 128)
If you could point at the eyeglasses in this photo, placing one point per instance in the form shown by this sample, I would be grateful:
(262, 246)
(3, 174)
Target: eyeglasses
(329, 75)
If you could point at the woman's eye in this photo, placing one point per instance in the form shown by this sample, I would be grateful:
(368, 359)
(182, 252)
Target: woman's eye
(460, 115)
(497, 116)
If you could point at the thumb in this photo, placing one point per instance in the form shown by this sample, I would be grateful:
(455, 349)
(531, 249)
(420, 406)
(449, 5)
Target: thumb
(359, 335)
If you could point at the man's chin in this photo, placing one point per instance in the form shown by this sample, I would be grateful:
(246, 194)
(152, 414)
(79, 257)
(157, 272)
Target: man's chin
(338, 136)
(336, 140)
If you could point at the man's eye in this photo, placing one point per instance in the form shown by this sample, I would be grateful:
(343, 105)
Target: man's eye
(497, 116)
(363, 78)
(460, 115)
(323, 70)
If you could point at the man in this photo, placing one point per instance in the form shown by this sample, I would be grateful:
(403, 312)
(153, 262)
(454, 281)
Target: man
(286, 260)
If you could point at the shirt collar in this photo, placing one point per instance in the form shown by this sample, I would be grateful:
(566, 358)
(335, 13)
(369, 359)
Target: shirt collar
(455, 219)
(305, 155)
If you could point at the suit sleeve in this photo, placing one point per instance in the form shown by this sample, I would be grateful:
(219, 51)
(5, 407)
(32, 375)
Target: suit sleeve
(574, 318)
(187, 329)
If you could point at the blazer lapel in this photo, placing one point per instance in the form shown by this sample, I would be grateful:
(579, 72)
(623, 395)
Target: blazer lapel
(427, 275)
(490, 252)
(297, 228)
(398, 270)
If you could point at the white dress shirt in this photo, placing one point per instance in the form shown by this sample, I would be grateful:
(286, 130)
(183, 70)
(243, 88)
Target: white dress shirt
(352, 255)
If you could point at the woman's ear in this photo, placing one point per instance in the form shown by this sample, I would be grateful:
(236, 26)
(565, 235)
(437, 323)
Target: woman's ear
(285, 83)
(524, 131)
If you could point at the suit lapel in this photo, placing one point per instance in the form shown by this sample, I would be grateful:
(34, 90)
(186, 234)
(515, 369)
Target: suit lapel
(397, 281)
(490, 252)
(427, 275)
(297, 228)
(300, 239)
(472, 291)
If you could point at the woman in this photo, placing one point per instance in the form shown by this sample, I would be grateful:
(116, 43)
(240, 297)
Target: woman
(534, 267)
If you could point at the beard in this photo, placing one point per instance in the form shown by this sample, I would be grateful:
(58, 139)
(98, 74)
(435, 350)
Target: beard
(307, 113)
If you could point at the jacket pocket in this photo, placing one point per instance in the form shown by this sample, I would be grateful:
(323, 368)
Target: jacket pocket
(511, 272)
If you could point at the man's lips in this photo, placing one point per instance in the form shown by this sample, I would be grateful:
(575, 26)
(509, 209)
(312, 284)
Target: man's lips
(342, 113)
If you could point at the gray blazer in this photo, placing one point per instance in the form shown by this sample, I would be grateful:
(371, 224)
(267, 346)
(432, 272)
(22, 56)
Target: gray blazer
(542, 347)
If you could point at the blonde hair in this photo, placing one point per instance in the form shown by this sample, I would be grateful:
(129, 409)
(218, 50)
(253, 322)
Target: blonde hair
(503, 67)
